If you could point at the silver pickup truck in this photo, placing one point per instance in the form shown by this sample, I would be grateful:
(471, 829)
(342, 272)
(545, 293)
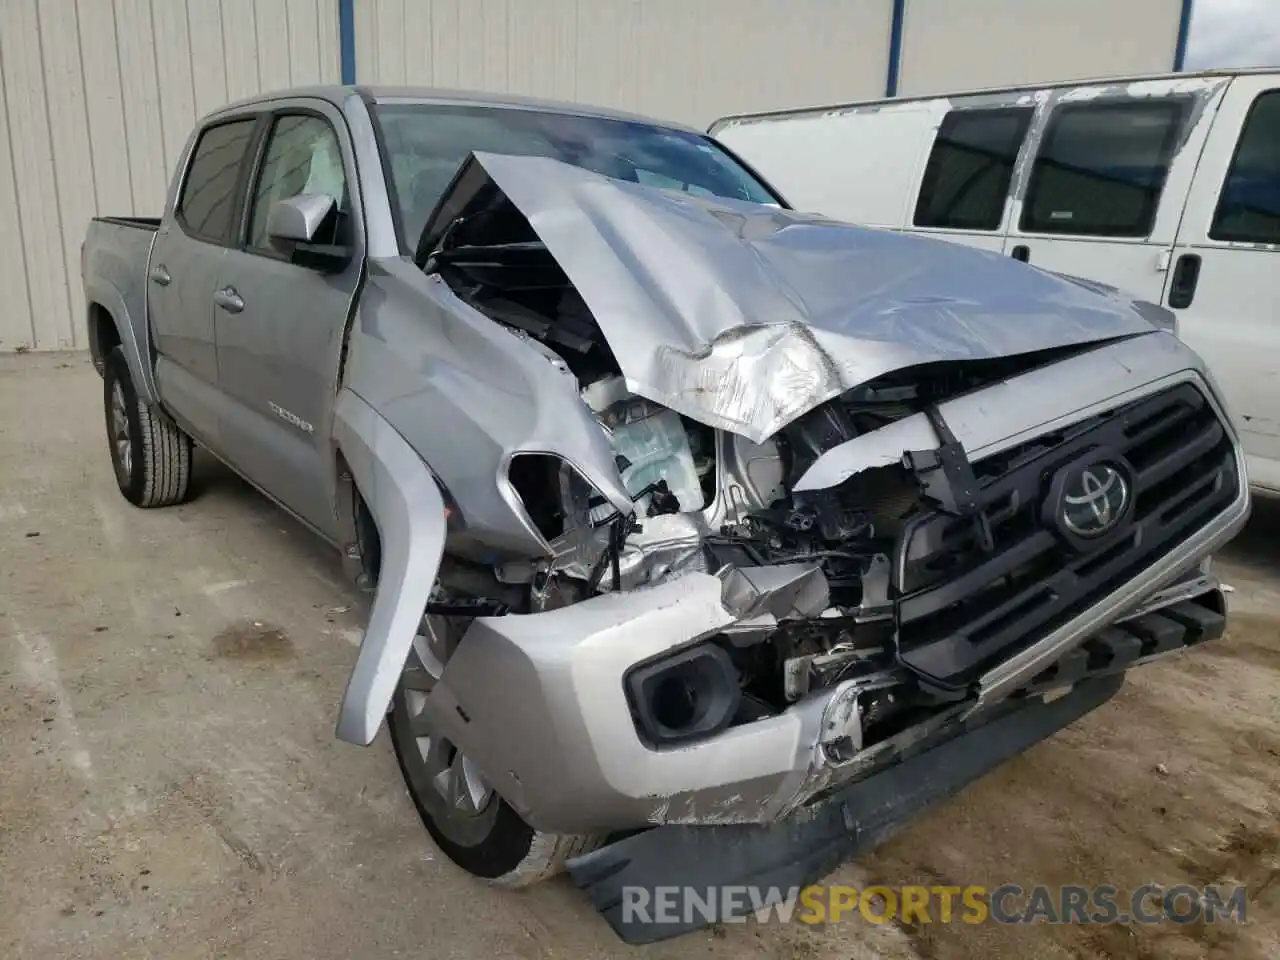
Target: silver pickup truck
(708, 541)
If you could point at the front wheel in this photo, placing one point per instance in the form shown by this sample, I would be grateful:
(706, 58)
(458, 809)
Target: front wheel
(476, 828)
(150, 454)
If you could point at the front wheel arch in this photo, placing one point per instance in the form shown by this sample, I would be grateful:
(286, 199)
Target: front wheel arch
(405, 502)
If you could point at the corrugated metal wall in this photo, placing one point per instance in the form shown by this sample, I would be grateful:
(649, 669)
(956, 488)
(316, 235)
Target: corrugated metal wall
(98, 96)
(687, 60)
(948, 46)
(96, 100)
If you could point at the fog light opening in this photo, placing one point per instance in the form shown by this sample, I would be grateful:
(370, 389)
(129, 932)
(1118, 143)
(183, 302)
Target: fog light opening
(686, 696)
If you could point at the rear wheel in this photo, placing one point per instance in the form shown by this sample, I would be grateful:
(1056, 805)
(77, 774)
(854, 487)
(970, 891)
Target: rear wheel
(150, 455)
(475, 827)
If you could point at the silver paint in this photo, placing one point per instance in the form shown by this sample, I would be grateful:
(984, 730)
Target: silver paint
(741, 317)
(744, 317)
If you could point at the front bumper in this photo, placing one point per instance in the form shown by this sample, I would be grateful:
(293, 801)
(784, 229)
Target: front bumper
(538, 702)
(785, 857)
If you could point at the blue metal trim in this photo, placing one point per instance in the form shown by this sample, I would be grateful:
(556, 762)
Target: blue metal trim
(895, 46)
(1184, 32)
(347, 39)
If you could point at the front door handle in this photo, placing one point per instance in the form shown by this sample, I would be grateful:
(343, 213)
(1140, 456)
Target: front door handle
(1021, 252)
(1186, 274)
(160, 276)
(229, 300)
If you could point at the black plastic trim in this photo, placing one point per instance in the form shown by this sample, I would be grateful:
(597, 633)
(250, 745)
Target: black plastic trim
(715, 706)
(961, 608)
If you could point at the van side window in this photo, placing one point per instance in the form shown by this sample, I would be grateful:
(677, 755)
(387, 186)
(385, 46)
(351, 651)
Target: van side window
(967, 178)
(1249, 208)
(207, 205)
(1101, 168)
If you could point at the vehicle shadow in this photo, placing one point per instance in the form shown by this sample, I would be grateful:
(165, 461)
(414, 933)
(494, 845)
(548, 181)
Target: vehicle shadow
(1258, 544)
(213, 480)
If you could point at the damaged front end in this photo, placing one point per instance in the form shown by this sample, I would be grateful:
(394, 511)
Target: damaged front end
(830, 537)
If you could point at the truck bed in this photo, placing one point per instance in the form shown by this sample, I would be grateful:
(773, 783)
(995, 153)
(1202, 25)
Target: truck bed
(138, 223)
(113, 263)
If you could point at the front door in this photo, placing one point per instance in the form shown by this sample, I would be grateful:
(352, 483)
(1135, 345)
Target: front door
(185, 264)
(1225, 280)
(280, 325)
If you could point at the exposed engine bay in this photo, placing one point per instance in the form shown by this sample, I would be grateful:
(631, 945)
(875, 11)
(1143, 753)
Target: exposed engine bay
(714, 501)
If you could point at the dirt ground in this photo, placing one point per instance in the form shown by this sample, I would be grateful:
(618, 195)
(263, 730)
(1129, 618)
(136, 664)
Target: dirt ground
(170, 785)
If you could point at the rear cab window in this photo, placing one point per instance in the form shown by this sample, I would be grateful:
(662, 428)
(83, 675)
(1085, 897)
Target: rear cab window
(1101, 168)
(1249, 205)
(207, 205)
(967, 177)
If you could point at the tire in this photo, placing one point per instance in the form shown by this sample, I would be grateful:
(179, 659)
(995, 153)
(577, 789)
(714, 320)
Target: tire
(489, 839)
(150, 455)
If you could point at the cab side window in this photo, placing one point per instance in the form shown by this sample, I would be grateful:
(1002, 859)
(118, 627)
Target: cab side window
(1101, 168)
(967, 178)
(303, 157)
(207, 206)
(1249, 207)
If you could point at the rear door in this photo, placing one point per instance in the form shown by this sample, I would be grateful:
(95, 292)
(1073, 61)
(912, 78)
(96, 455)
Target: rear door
(280, 326)
(1225, 281)
(1108, 179)
(183, 270)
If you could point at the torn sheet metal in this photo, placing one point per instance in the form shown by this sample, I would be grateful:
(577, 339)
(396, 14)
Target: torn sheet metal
(744, 317)
(790, 591)
(405, 500)
(1012, 411)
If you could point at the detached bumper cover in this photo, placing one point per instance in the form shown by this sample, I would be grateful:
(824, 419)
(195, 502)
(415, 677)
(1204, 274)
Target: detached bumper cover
(862, 815)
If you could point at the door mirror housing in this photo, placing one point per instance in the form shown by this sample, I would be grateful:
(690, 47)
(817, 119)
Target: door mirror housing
(295, 224)
(299, 219)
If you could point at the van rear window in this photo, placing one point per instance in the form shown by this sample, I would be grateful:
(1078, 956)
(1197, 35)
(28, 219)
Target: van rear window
(1101, 168)
(967, 178)
(1249, 208)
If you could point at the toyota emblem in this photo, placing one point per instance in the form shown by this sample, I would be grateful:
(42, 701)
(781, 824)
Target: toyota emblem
(1094, 501)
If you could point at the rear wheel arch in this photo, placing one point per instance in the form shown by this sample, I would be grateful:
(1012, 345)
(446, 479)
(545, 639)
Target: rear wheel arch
(104, 334)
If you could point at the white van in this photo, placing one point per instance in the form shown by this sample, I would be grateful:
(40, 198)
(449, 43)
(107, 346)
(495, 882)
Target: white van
(1166, 187)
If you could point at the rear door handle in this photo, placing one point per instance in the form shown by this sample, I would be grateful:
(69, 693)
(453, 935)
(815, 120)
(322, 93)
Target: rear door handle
(160, 276)
(229, 300)
(1186, 275)
(1021, 252)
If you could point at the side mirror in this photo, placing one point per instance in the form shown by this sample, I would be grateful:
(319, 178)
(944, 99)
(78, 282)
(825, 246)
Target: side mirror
(298, 219)
(293, 226)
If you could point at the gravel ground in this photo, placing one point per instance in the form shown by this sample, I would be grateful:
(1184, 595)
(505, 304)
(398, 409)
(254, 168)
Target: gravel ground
(170, 785)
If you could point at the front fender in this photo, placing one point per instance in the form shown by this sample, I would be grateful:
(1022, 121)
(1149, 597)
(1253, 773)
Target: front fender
(405, 501)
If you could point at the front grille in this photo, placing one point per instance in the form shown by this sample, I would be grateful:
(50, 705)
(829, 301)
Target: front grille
(962, 608)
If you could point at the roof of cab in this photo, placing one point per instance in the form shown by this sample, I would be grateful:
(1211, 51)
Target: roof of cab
(336, 94)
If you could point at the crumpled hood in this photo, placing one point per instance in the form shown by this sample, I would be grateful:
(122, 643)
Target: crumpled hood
(745, 316)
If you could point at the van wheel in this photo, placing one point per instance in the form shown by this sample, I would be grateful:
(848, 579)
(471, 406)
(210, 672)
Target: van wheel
(150, 455)
(476, 828)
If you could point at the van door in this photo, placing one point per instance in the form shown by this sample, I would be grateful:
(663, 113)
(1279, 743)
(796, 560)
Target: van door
(1225, 280)
(1110, 172)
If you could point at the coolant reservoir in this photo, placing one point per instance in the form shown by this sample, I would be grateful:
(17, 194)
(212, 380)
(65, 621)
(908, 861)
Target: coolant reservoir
(652, 442)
